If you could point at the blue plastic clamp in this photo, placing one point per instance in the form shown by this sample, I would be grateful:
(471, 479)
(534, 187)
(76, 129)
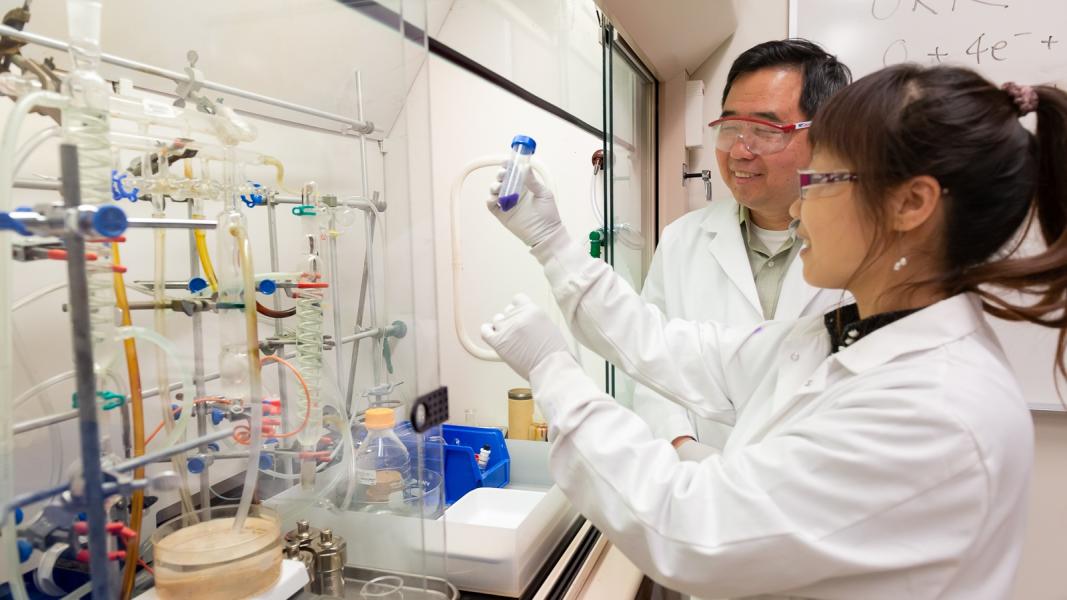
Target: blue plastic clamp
(25, 550)
(18, 516)
(177, 410)
(119, 191)
(253, 199)
(195, 465)
(6, 222)
(110, 221)
(267, 287)
(266, 461)
(217, 416)
(197, 285)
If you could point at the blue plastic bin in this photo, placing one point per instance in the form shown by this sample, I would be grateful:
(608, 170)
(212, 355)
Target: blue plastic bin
(462, 474)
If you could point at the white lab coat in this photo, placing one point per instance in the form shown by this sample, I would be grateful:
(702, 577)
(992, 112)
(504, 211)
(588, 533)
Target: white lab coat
(895, 468)
(701, 272)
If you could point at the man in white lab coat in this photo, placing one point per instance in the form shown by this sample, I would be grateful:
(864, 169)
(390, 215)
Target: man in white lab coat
(734, 261)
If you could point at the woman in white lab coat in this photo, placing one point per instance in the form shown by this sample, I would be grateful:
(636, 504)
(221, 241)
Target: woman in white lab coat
(880, 452)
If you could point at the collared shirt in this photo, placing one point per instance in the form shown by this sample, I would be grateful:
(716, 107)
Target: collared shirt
(768, 268)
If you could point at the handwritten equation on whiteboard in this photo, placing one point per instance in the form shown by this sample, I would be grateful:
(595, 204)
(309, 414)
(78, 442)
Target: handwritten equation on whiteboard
(1004, 40)
(987, 45)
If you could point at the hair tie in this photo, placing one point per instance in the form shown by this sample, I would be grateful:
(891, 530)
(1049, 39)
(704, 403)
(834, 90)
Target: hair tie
(1024, 97)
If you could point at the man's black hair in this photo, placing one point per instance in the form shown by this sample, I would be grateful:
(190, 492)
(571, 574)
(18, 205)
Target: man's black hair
(823, 74)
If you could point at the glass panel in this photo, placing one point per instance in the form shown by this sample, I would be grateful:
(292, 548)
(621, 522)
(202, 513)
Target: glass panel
(269, 136)
(549, 47)
(490, 265)
(631, 178)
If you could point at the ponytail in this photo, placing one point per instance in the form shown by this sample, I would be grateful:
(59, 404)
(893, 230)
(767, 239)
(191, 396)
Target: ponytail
(1044, 275)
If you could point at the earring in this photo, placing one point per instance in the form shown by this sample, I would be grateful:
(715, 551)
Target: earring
(900, 264)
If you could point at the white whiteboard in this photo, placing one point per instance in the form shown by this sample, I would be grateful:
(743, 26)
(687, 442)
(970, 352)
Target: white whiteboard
(1005, 40)
(1016, 40)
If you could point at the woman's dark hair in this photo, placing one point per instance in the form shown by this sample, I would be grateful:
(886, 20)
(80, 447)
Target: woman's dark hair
(822, 74)
(998, 179)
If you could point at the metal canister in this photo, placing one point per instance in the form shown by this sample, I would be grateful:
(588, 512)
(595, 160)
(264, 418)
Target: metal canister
(293, 551)
(304, 534)
(538, 431)
(330, 555)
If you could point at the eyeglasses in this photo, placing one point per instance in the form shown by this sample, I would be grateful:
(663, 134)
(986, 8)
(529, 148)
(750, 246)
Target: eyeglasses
(758, 136)
(811, 180)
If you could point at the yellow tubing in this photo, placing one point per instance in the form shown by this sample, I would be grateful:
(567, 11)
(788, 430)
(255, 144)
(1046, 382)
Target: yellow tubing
(201, 238)
(255, 444)
(205, 258)
(279, 174)
(129, 572)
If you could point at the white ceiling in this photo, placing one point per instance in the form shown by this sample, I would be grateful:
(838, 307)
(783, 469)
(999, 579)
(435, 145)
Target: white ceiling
(673, 35)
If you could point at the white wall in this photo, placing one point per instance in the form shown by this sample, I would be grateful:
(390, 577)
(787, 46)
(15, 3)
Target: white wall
(1040, 575)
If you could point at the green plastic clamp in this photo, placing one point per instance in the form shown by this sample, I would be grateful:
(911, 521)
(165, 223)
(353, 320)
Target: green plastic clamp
(304, 210)
(596, 243)
(111, 399)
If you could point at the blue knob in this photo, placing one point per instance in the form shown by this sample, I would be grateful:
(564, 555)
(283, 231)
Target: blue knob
(110, 221)
(267, 287)
(217, 416)
(6, 222)
(25, 550)
(18, 516)
(196, 465)
(197, 285)
(266, 461)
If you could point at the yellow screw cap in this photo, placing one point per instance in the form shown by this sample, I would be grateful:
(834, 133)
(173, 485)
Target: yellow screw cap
(379, 418)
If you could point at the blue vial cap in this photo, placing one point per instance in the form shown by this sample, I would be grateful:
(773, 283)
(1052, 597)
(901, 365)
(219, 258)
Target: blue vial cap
(25, 550)
(266, 461)
(525, 144)
(217, 416)
(267, 286)
(18, 516)
(110, 221)
(197, 285)
(196, 465)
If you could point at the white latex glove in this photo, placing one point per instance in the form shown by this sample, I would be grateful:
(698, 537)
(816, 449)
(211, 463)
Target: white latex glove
(523, 335)
(694, 451)
(534, 218)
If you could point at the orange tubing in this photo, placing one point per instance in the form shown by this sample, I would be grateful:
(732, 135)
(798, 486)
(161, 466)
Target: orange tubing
(241, 432)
